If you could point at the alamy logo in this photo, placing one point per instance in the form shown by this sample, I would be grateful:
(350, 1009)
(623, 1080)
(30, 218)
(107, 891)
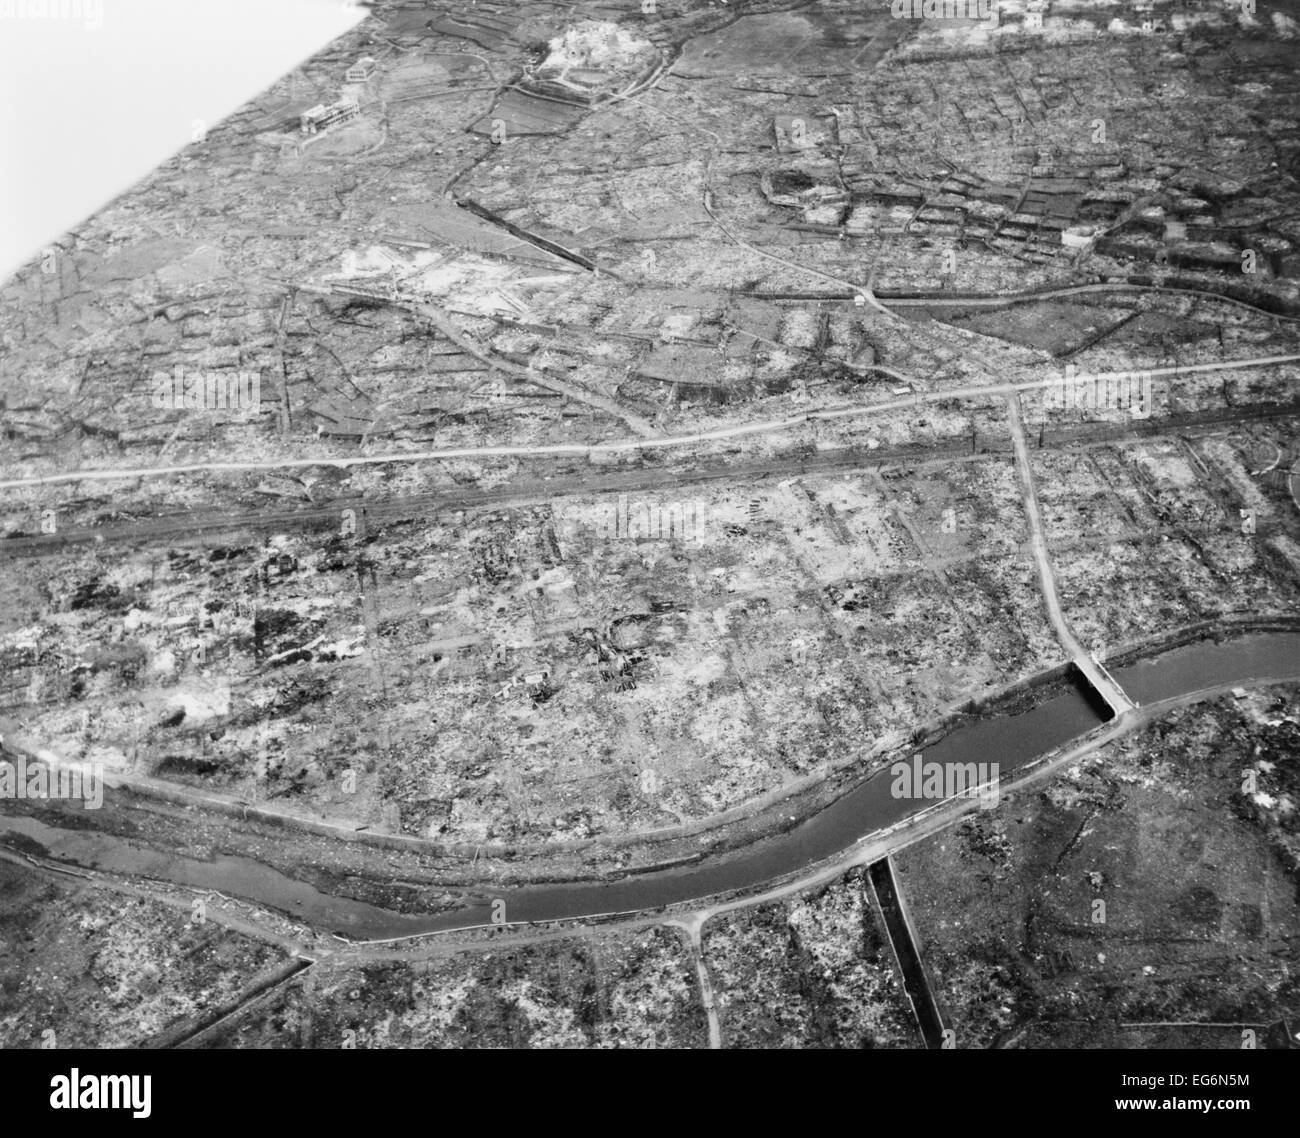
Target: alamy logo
(75, 1091)
(207, 391)
(641, 521)
(943, 9)
(939, 781)
(38, 781)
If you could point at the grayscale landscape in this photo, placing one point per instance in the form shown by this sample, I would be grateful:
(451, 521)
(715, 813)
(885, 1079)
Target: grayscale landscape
(671, 523)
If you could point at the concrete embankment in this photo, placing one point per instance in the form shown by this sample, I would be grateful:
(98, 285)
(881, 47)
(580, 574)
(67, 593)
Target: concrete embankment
(903, 939)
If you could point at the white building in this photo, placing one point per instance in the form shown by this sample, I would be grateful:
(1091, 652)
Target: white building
(362, 70)
(322, 118)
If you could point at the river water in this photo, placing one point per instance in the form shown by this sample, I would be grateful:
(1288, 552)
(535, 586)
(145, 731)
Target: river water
(1011, 741)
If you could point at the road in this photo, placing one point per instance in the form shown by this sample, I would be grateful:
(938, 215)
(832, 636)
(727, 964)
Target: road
(1010, 300)
(616, 446)
(1097, 676)
(534, 491)
(692, 926)
(862, 824)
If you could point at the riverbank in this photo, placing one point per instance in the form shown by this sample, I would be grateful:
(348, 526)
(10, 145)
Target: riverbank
(868, 809)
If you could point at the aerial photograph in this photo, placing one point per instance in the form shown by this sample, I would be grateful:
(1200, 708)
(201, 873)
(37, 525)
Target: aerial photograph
(704, 524)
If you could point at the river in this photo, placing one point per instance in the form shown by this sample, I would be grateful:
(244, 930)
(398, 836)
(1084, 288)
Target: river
(1010, 740)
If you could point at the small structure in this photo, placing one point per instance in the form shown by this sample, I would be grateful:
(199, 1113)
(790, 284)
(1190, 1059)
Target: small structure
(362, 70)
(1078, 236)
(1033, 21)
(321, 118)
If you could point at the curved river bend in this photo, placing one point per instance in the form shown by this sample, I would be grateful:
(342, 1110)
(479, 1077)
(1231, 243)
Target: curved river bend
(1012, 741)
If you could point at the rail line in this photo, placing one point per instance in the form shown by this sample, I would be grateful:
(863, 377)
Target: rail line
(722, 434)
